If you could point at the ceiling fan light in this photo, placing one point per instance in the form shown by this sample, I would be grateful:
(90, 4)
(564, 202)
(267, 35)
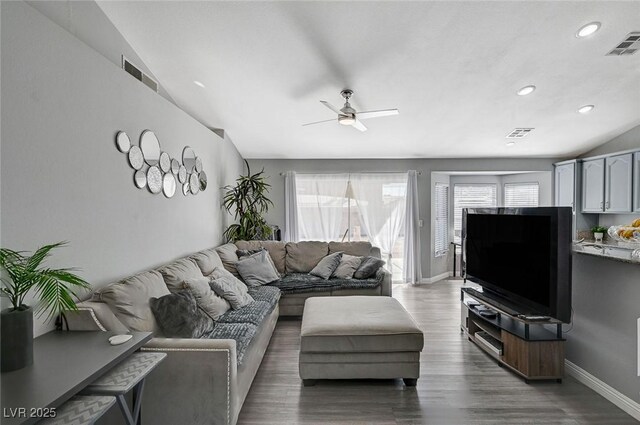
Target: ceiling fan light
(346, 120)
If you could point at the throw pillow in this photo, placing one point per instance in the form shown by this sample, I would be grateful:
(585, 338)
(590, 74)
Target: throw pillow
(368, 268)
(230, 288)
(178, 316)
(257, 269)
(214, 305)
(241, 253)
(327, 265)
(347, 267)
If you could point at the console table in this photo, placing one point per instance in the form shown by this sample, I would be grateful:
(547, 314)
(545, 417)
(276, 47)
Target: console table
(63, 364)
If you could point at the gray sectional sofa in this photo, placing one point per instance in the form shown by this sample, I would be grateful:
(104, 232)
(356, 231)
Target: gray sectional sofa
(205, 381)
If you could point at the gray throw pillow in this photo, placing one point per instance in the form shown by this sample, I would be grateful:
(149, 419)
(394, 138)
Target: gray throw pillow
(241, 253)
(347, 267)
(178, 316)
(368, 268)
(327, 265)
(214, 305)
(257, 269)
(230, 288)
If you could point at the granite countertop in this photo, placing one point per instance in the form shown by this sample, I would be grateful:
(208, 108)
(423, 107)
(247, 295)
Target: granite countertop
(626, 252)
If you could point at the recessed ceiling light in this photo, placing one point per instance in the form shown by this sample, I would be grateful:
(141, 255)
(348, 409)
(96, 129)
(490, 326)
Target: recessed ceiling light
(588, 29)
(511, 143)
(586, 109)
(526, 90)
(198, 83)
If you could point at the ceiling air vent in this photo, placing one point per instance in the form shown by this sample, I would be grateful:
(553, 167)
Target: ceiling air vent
(519, 133)
(628, 46)
(138, 74)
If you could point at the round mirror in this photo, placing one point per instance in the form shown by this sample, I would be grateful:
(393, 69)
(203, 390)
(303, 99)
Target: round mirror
(188, 158)
(203, 180)
(198, 164)
(165, 162)
(194, 183)
(154, 179)
(140, 179)
(169, 185)
(150, 147)
(185, 189)
(123, 142)
(175, 166)
(136, 160)
(182, 174)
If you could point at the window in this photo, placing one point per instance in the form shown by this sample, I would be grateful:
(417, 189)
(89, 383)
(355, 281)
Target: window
(521, 194)
(470, 196)
(441, 240)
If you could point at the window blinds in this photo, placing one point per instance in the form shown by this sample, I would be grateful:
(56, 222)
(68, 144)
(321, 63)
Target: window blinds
(441, 240)
(471, 196)
(521, 194)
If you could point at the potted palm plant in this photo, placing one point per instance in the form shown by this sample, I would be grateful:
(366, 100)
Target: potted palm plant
(20, 274)
(247, 201)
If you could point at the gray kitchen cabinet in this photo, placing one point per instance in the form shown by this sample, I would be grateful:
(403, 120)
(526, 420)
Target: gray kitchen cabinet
(618, 183)
(593, 185)
(636, 182)
(565, 185)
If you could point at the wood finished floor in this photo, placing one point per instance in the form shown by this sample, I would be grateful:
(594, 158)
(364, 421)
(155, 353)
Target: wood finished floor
(458, 383)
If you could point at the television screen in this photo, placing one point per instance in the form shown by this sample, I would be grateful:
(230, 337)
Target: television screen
(522, 255)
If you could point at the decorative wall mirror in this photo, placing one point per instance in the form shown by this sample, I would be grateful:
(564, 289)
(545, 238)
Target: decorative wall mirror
(175, 166)
(136, 160)
(185, 189)
(154, 179)
(150, 147)
(188, 158)
(194, 183)
(165, 162)
(123, 142)
(140, 179)
(198, 165)
(169, 185)
(182, 174)
(202, 176)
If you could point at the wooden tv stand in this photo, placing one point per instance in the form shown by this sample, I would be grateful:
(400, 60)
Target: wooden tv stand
(525, 347)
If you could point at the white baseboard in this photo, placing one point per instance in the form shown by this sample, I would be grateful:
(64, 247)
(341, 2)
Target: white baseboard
(606, 391)
(436, 278)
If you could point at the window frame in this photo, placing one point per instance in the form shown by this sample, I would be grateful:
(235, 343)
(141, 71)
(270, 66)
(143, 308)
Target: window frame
(453, 202)
(531, 183)
(441, 251)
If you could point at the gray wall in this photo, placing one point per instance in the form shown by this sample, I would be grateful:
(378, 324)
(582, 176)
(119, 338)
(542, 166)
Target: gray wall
(273, 168)
(625, 141)
(62, 176)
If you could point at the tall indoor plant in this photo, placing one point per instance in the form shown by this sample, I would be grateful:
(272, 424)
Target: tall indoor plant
(247, 201)
(20, 274)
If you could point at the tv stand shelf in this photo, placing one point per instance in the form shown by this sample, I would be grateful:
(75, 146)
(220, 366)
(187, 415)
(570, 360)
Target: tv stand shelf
(528, 348)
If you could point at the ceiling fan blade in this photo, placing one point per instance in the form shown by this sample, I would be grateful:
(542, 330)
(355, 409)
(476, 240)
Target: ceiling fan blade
(375, 114)
(358, 125)
(330, 106)
(318, 122)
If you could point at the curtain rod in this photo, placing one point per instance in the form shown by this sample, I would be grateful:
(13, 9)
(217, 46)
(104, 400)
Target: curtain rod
(362, 172)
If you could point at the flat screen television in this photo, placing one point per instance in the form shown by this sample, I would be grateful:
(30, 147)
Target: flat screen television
(521, 255)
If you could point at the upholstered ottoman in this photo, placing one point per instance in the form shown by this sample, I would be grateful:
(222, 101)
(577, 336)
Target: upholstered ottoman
(358, 337)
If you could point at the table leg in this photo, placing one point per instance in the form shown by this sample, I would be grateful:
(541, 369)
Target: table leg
(137, 402)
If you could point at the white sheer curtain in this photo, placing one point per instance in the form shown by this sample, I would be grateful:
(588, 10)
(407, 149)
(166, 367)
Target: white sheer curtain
(290, 207)
(381, 203)
(412, 270)
(321, 200)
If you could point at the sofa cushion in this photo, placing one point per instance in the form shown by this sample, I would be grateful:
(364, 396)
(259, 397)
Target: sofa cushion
(368, 268)
(277, 251)
(242, 333)
(269, 294)
(177, 272)
(296, 283)
(178, 316)
(254, 312)
(327, 265)
(207, 260)
(223, 283)
(129, 300)
(257, 269)
(359, 248)
(347, 267)
(302, 257)
(227, 254)
(213, 304)
(247, 252)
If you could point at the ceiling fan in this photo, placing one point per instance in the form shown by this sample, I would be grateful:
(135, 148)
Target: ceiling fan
(349, 116)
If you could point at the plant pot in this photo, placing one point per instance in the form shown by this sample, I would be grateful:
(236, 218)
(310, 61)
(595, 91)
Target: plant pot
(598, 236)
(17, 339)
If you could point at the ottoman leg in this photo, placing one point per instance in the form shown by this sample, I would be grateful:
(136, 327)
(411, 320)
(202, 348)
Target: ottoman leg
(410, 382)
(309, 382)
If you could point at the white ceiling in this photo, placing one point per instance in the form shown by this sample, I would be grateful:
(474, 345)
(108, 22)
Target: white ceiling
(451, 68)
